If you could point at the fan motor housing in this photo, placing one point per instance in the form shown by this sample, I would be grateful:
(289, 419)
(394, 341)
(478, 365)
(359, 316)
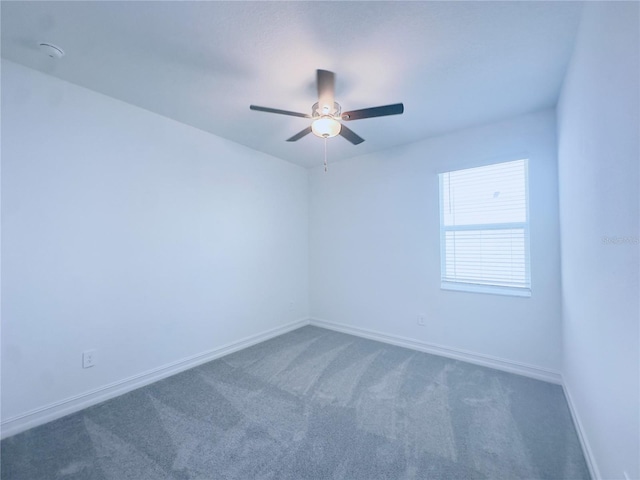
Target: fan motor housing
(315, 110)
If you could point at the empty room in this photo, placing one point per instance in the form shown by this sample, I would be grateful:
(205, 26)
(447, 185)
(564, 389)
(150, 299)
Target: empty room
(320, 240)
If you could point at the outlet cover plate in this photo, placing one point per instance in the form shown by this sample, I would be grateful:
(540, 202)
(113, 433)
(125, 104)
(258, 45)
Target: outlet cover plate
(88, 358)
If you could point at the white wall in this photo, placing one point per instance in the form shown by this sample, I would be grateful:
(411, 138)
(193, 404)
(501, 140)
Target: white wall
(598, 130)
(132, 234)
(375, 245)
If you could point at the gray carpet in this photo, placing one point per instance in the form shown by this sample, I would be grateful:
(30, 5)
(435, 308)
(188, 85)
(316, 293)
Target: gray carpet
(313, 404)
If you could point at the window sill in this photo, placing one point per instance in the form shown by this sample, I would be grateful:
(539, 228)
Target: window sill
(488, 289)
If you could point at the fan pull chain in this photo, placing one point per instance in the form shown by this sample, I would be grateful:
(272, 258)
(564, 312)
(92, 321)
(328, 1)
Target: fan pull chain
(325, 154)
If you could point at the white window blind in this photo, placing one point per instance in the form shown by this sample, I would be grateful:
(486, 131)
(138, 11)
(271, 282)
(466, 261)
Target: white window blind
(484, 228)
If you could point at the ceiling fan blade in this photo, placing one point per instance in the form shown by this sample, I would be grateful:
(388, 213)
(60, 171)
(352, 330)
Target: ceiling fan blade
(395, 109)
(299, 135)
(326, 91)
(281, 112)
(351, 135)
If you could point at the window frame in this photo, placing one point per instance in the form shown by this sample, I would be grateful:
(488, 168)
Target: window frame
(487, 288)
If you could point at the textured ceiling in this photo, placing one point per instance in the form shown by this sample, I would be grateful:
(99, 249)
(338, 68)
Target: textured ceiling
(452, 64)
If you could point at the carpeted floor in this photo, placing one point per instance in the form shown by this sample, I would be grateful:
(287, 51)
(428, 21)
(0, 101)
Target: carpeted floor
(313, 404)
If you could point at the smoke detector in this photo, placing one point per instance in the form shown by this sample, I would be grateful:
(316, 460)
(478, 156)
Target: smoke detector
(51, 50)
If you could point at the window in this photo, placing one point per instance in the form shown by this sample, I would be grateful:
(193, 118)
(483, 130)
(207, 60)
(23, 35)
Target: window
(484, 229)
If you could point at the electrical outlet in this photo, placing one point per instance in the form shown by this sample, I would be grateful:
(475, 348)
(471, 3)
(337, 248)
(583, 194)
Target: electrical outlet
(421, 320)
(88, 358)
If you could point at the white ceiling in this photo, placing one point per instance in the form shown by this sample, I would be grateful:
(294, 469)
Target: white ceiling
(452, 64)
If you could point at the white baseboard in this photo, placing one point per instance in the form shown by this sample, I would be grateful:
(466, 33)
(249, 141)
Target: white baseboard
(47, 413)
(582, 435)
(449, 352)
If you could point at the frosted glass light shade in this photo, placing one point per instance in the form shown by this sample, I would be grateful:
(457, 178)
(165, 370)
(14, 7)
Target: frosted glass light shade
(326, 127)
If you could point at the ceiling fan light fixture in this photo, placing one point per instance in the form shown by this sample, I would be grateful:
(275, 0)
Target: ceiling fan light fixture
(326, 119)
(326, 127)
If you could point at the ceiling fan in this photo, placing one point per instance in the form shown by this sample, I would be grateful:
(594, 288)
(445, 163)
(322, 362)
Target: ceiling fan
(327, 113)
